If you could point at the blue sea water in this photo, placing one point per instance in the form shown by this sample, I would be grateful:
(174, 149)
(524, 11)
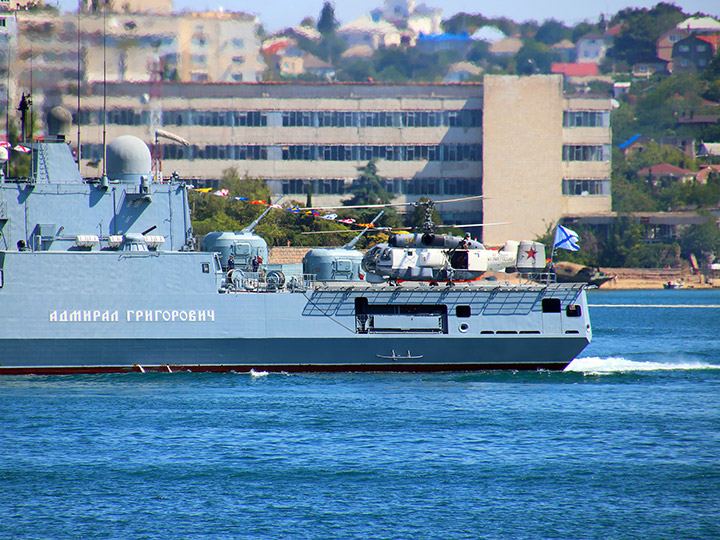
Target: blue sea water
(624, 444)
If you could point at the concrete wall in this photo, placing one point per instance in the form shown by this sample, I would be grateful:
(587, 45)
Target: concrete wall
(522, 155)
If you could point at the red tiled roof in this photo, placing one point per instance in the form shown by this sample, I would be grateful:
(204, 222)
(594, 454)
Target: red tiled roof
(703, 174)
(665, 169)
(277, 45)
(577, 70)
(713, 40)
(614, 30)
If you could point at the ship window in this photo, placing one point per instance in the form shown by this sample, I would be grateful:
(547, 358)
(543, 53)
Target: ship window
(463, 311)
(551, 305)
(573, 310)
(206, 268)
(2, 279)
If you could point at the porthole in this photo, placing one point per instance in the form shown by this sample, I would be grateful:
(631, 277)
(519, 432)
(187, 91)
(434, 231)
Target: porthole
(464, 327)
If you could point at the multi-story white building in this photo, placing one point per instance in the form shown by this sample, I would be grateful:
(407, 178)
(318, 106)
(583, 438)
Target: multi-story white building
(533, 152)
(8, 47)
(133, 47)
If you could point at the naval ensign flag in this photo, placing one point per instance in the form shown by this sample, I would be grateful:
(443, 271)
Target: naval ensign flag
(566, 239)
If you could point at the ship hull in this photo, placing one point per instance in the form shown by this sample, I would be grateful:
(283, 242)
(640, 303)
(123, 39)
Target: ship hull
(66, 356)
(120, 312)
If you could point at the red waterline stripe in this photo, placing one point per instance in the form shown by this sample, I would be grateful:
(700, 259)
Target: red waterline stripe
(291, 368)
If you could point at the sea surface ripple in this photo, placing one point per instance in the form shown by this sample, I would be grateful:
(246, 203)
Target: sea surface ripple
(623, 444)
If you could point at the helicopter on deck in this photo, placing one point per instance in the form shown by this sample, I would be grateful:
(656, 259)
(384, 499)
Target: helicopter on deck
(436, 258)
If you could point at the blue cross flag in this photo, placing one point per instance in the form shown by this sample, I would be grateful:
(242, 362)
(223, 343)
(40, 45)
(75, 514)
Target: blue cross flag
(566, 239)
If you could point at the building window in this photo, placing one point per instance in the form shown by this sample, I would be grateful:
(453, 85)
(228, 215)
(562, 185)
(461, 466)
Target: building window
(445, 152)
(297, 118)
(398, 186)
(239, 43)
(586, 187)
(238, 59)
(414, 119)
(586, 118)
(576, 152)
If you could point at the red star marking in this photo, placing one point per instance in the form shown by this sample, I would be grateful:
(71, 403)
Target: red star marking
(531, 253)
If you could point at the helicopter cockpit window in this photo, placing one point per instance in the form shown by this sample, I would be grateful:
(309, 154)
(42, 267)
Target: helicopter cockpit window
(386, 255)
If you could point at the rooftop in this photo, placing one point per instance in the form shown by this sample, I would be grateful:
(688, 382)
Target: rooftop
(581, 69)
(665, 169)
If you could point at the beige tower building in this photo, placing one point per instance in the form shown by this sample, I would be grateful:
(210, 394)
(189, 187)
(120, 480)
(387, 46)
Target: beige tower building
(545, 155)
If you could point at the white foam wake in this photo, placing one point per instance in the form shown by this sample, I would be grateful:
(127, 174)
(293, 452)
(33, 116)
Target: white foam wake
(599, 366)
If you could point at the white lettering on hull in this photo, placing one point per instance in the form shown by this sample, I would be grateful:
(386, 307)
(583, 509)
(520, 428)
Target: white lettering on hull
(133, 315)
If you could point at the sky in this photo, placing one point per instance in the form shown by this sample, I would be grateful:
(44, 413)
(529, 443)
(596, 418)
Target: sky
(278, 14)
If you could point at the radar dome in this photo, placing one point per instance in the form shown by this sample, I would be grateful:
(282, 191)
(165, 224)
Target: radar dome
(59, 120)
(128, 159)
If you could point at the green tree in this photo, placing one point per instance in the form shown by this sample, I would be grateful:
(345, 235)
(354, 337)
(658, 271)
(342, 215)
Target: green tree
(641, 29)
(703, 241)
(244, 186)
(534, 57)
(327, 23)
(479, 52)
(331, 47)
(552, 31)
(582, 29)
(464, 22)
(355, 69)
(368, 188)
(416, 218)
(213, 213)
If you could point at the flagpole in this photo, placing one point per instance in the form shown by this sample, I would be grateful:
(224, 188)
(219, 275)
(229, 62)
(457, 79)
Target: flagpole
(552, 251)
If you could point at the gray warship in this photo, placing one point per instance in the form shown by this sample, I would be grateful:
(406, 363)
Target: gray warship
(102, 275)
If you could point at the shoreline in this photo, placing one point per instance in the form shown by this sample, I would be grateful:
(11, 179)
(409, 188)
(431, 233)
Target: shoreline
(640, 278)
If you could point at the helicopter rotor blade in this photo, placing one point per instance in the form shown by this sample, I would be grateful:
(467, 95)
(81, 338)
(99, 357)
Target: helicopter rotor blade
(471, 225)
(368, 229)
(416, 203)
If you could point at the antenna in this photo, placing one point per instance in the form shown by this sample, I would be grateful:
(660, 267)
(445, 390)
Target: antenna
(104, 87)
(79, 145)
(31, 91)
(7, 104)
